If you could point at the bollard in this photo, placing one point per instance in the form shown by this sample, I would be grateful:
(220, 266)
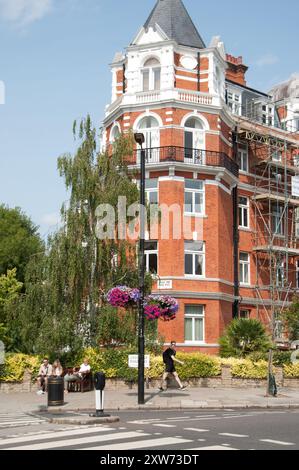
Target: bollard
(99, 383)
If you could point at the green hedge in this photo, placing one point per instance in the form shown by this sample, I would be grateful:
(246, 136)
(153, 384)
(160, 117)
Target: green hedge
(15, 366)
(114, 363)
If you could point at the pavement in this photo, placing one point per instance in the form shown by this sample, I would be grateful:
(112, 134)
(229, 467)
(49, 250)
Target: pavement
(126, 399)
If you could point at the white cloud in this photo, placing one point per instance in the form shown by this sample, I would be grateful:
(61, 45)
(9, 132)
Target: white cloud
(51, 219)
(267, 59)
(24, 12)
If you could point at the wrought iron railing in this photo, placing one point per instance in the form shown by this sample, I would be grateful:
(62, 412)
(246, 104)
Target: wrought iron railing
(188, 156)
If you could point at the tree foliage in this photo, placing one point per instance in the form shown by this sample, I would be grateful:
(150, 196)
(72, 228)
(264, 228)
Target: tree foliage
(19, 240)
(291, 320)
(243, 337)
(64, 305)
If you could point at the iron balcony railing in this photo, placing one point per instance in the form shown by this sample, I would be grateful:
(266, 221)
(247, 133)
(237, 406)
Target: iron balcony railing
(188, 156)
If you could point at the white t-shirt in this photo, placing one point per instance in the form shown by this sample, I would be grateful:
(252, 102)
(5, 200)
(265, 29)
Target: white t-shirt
(84, 368)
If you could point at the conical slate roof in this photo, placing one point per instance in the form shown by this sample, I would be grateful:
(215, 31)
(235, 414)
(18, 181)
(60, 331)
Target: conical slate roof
(175, 21)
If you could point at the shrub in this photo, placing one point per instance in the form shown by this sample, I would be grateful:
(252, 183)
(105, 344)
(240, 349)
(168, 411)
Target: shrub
(243, 337)
(291, 370)
(279, 357)
(198, 365)
(247, 369)
(16, 364)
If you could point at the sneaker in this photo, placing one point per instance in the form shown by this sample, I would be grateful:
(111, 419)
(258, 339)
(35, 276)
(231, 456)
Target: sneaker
(183, 389)
(40, 392)
(162, 389)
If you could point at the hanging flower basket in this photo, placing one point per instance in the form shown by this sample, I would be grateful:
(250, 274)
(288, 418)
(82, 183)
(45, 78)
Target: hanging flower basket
(161, 306)
(123, 296)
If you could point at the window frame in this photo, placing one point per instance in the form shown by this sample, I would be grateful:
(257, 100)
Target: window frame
(151, 70)
(247, 316)
(242, 209)
(243, 157)
(235, 105)
(277, 221)
(201, 191)
(242, 265)
(194, 253)
(147, 254)
(194, 317)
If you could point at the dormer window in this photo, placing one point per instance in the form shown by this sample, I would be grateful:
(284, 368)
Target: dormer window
(151, 75)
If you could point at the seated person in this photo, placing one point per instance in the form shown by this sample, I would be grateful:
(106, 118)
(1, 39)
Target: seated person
(45, 371)
(76, 373)
(57, 369)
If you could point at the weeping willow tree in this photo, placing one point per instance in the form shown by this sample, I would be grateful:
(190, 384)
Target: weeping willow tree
(64, 305)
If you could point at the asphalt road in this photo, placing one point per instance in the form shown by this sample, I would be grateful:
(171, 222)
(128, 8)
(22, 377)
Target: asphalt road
(159, 430)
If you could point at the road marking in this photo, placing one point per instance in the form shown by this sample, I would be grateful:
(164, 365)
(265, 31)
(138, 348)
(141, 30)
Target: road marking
(227, 434)
(164, 425)
(178, 418)
(168, 441)
(214, 448)
(80, 440)
(54, 435)
(196, 430)
(280, 443)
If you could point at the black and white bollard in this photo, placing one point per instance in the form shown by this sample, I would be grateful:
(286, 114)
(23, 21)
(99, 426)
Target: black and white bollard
(99, 383)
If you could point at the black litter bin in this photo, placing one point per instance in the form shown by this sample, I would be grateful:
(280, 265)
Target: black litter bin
(55, 391)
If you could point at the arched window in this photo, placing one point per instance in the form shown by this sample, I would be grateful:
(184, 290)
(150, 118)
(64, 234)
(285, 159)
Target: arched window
(194, 141)
(115, 133)
(151, 75)
(149, 126)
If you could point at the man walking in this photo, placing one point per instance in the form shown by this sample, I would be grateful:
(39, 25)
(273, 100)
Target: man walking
(169, 359)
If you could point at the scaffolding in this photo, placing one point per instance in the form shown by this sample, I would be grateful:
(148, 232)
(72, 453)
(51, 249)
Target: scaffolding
(276, 209)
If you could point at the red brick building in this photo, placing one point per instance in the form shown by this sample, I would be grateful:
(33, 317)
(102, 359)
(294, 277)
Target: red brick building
(216, 148)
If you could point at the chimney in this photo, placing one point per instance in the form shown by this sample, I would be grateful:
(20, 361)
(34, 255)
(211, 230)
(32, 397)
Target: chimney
(236, 69)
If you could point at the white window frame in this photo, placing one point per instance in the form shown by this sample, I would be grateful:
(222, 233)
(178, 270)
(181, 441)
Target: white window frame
(243, 266)
(194, 254)
(242, 209)
(247, 313)
(194, 191)
(267, 114)
(151, 187)
(243, 158)
(297, 274)
(194, 317)
(280, 274)
(234, 101)
(152, 79)
(277, 221)
(147, 254)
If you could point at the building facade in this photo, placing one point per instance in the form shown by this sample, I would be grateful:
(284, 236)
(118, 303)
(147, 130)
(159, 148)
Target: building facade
(218, 150)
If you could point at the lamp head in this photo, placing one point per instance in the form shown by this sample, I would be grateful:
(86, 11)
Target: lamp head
(139, 138)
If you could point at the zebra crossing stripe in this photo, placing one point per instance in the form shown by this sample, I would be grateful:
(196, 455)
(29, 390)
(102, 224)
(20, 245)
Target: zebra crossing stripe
(167, 441)
(21, 422)
(214, 448)
(79, 441)
(54, 435)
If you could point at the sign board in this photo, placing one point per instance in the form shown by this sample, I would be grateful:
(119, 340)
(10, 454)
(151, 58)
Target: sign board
(165, 285)
(295, 186)
(133, 361)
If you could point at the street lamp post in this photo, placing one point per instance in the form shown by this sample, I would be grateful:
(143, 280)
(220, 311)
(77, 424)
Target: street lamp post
(139, 138)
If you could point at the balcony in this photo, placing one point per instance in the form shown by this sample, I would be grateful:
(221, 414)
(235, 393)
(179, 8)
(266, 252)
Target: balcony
(156, 96)
(187, 156)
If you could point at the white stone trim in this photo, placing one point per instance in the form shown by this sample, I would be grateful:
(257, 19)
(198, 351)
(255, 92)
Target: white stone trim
(197, 115)
(179, 179)
(146, 114)
(220, 185)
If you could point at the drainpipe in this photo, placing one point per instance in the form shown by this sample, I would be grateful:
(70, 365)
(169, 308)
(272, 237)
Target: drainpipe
(235, 200)
(124, 79)
(198, 71)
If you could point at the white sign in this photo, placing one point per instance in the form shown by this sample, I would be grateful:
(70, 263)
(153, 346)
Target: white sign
(295, 186)
(133, 361)
(165, 285)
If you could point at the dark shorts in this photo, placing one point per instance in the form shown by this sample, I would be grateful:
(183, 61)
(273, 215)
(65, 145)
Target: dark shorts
(169, 368)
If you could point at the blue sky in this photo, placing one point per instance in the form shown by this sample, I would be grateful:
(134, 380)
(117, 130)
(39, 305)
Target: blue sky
(54, 63)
